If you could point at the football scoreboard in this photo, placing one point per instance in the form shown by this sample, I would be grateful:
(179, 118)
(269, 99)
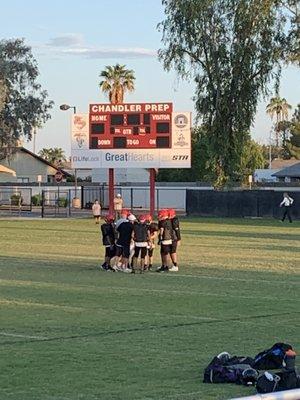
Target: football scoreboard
(130, 126)
(131, 135)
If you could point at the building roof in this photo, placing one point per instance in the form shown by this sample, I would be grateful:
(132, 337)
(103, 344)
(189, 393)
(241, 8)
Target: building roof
(65, 173)
(6, 170)
(291, 172)
(278, 163)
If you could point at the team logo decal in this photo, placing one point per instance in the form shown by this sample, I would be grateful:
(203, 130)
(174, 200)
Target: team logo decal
(181, 121)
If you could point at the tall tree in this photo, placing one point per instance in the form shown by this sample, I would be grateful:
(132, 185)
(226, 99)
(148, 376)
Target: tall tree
(251, 158)
(279, 108)
(117, 80)
(55, 156)
(229, 48)
(292, 49)
(23, 103)
(293, 143)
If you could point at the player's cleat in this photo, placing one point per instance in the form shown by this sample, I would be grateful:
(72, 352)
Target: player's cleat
(173, 269)
(104, 266)
(109, 268)
(163, 268)
(127, 270)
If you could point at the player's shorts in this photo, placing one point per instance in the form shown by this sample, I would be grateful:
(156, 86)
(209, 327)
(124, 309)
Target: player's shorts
(140, 251)
(122, 250)
(165, 249)
(110, 251)
(173, 247)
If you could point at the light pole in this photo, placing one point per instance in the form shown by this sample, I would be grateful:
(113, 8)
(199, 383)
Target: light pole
(270, 149)
(65, 107)
(34, 138)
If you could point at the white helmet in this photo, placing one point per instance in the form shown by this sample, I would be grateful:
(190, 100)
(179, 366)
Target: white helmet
(224, 356)
(131, 217)
(119, 195)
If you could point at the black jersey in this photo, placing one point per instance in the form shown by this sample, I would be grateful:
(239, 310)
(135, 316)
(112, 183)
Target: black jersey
(125, 233)
(108, 234)
(176, 228)
(140, 232)
(167, 234)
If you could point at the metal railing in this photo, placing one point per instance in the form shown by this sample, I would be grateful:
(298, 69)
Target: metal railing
(15, 199)
(55, 203)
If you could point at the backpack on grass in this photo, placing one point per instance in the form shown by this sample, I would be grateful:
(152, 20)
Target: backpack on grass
(272, 358)
(227, 369)
(269, 382)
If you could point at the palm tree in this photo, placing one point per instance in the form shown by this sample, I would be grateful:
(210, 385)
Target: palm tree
(278, 107)
(116, 81)
(55, 156)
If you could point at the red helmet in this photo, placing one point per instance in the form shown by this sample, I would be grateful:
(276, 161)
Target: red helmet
(125, 213)
(163, 214)
(142, 218)
(109, 218)
(148, 218)
(172, 213)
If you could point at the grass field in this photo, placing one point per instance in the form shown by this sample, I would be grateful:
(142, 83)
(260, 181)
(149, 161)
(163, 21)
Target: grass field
(70, 331)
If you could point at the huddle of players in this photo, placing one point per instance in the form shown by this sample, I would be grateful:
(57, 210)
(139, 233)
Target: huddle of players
(130, 242)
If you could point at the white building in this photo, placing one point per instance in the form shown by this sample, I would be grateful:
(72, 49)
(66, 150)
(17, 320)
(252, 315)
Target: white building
(28, 167)
(270, 174)
(122, 175)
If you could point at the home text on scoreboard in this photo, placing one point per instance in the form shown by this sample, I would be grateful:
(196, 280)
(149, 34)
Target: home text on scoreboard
(130, 125)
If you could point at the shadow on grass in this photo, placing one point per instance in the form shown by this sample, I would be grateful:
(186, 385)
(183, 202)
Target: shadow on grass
(152, 327)
(255, 235)
(273, 222)
(40, 262)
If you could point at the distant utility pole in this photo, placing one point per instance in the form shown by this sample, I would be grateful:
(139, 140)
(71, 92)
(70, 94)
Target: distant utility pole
(270, 150)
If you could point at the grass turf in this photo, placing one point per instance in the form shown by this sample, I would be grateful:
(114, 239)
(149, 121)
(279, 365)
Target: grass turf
(70, 331)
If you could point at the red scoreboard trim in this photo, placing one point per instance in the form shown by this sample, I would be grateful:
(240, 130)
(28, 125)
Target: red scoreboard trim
(130, 125)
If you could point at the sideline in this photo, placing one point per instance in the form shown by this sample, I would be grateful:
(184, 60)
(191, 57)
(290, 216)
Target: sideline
(23, 336)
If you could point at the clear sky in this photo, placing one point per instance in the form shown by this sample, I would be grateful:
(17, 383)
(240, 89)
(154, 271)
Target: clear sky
(74, 40)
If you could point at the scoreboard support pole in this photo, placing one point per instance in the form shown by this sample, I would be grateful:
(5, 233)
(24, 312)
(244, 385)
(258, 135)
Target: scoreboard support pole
(111, 189)
(152, 190)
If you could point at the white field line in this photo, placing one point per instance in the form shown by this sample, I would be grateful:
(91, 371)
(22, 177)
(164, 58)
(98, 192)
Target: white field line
(41, 305)
(101, 310)
(22, 336)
